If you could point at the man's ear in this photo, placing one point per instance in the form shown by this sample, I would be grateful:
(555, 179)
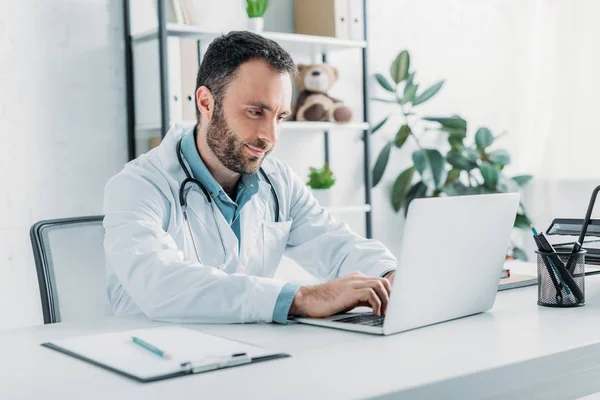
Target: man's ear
(205, 102)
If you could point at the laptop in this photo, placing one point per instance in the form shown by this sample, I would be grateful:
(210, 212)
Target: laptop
(451, 258)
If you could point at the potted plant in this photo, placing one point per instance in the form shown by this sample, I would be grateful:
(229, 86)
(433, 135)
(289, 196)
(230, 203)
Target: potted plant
(320, 180)
(256, 10)
(461, 167)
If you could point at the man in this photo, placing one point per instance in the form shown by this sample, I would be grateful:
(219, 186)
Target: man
(196, 228)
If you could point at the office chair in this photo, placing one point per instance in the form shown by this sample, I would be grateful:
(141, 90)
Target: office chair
(69, 258)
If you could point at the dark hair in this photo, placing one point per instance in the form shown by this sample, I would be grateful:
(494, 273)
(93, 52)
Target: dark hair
(225, 55)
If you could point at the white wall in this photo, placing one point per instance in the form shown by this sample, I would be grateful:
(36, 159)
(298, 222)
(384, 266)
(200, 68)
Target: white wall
(62, 127)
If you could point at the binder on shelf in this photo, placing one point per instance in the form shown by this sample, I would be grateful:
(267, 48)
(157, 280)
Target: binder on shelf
(148, 355)
(356, 24)
(322, 17)
(174, 11)
(188, 10)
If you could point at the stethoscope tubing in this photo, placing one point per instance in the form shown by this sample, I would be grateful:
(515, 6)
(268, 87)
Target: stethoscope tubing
(183, 202)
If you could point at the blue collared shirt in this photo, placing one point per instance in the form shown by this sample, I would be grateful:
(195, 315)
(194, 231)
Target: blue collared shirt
(248, 186)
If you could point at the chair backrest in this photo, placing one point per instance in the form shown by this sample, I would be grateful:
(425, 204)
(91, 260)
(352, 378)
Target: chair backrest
(69, 257)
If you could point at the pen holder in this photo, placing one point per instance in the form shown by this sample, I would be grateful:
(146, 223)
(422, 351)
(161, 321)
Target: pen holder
(561, 280)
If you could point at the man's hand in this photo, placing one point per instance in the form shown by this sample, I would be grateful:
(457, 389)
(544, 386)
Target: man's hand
(342, 294)
(390, 276)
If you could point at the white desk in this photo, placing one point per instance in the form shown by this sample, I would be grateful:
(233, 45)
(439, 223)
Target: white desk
(518, 350)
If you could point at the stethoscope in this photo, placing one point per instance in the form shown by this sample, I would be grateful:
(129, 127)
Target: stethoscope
(183, 202)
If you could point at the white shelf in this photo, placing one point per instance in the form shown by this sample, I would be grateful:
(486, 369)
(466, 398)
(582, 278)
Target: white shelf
(292, 42)
(349, 209)
(286, 126)
(323, 126)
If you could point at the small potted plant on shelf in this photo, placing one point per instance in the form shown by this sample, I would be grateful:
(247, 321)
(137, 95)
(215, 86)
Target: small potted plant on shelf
(320, 180)
(256, 10)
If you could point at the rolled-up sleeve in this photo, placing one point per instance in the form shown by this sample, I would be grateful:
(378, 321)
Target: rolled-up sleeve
(284, 302)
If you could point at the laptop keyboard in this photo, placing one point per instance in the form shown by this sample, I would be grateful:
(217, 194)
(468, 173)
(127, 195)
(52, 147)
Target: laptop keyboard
(366, 319)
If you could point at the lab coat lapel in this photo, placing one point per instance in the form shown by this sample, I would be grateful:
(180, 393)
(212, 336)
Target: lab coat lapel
(207, 235)
(252, 219)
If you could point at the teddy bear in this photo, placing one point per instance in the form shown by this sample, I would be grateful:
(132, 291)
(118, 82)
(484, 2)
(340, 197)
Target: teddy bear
(313, 104)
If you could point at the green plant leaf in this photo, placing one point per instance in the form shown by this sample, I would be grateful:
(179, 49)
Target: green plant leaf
(385, 83)
(455, 126)
(402, 135)
(522, 180)
(379, 125)
(453, 175)
(507, 185)
(383, 100)
(410, 78)
(409, 93)
(471, 154)
(476, 190)
(321, 178)
(428, 93)
(256, 8)
(522, 222)
(449, 122)
(417, 191)
(519, 253)
(400, 66)
(456, 143)
(457, 160)
(430, 164)
(455, 188)
(490, 174)
(381, 163)
(500, 157)
(460, 133)
(400, 188)
(483, 138)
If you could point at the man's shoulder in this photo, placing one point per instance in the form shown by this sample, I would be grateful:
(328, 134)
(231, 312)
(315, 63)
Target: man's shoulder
(144, 173)
(157, 167)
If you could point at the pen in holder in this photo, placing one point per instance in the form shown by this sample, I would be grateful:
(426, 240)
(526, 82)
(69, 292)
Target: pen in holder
(558, 286)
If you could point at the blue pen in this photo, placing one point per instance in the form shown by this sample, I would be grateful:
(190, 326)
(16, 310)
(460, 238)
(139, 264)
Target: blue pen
(150, 348)
(533, 229)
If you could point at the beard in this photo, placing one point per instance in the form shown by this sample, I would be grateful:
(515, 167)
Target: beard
(229, 149)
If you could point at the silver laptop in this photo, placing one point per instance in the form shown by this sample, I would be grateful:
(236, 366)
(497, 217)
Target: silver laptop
(451, 258)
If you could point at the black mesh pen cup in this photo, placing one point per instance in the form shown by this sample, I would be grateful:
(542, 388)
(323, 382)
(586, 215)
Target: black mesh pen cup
(561, 279)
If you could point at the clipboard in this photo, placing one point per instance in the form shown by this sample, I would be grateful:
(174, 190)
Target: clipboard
(192, 352)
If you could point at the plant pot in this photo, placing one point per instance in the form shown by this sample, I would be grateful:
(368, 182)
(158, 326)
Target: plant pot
(256, 24)
(323, 196)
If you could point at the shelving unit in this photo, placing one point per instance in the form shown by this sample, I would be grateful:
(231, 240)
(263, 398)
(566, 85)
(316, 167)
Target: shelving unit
(293, 42)
(315, 46)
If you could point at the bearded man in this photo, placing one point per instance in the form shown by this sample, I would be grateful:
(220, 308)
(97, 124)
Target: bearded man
(196, 228)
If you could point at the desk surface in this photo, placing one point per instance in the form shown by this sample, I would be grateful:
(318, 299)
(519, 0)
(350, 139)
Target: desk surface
(513, 350)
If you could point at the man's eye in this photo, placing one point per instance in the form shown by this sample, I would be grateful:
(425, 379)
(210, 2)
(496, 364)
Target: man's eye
(256, 113)
(282, 118)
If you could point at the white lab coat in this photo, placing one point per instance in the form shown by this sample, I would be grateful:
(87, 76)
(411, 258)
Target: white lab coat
(152, 266)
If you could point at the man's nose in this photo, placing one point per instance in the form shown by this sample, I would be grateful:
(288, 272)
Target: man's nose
(270, 131)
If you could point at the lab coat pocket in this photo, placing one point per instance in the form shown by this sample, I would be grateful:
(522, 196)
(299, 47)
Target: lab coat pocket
(275, 236)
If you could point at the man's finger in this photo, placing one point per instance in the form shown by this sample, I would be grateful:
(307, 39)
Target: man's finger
(379, 288)
(387, 284)
(373, 299)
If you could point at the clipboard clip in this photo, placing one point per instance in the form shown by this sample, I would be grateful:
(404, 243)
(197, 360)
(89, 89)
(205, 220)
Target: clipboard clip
(216, 362)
